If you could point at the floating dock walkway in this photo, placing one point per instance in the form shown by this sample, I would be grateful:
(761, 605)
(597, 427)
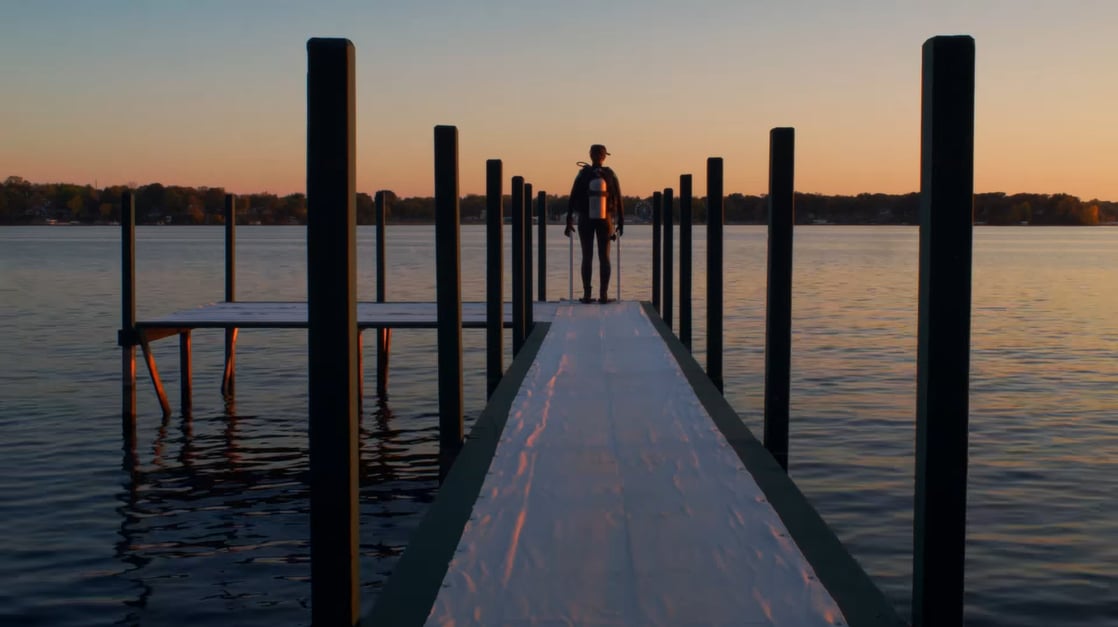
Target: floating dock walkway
(609, 483)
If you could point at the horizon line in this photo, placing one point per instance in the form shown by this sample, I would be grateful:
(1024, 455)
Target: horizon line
(133, 186)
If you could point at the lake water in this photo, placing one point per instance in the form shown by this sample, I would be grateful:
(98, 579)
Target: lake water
(210, 525)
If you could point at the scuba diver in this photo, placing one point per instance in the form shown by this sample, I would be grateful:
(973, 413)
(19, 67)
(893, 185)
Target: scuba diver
(596, 196)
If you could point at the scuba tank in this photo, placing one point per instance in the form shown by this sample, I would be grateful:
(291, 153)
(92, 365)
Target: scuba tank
(597, 196)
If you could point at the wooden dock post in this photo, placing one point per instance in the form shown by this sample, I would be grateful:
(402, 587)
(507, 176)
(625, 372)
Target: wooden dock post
(778, 310)
(228, 379)
(528, 309)
(127, 335)
(715, 216)
(517, 210)
(384, 335)
(153, 371)
(943, 345)
(685, 260)
(541, 212)
(448, 277)
(332, 331)
(667, 275)
(494, 276)
(656, 201)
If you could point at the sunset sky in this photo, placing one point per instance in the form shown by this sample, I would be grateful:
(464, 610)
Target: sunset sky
(213, 92)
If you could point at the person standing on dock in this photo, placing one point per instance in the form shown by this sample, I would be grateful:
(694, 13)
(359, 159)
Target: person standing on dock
(596, 196)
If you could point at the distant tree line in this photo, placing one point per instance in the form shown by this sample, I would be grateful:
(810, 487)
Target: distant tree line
(23, 202)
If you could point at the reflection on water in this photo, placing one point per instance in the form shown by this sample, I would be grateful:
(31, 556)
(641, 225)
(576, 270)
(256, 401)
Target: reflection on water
(207, 504)
(218, 501)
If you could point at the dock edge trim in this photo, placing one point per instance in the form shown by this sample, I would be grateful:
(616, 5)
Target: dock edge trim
(861, 601)
(413, 586)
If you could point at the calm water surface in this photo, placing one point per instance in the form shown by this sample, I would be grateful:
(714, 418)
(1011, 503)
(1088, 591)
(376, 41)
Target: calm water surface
(206, 521)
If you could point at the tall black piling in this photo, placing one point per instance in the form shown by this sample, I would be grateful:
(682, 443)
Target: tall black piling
(517, 261)
(778, 311)
(127, 335)
(384, 335)
(657, 200)
(494, 276)
(667, 275)
(448, 276)
(715, 217)
(187, 374)
(528, 308)
(943, 344)
(332, 331)
(229, 378)
(541, 213)
(685, 260)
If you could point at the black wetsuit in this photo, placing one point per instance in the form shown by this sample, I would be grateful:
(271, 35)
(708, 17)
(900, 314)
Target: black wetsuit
(590, 229)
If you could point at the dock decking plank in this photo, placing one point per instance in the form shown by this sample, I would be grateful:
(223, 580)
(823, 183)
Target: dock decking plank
(613, 499)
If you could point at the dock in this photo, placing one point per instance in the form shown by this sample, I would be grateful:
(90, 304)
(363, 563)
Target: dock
(608, 481)
(611, 484)
(236, 315)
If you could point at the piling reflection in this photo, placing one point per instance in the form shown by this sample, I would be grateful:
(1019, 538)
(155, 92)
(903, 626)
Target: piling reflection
(127, 509)
(187, 452)
(160, 442)
(232, 448)
(399, 477)
(214, 519)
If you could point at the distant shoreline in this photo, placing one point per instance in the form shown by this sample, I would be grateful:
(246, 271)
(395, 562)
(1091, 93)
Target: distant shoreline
(26, 203)
(476, 223)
